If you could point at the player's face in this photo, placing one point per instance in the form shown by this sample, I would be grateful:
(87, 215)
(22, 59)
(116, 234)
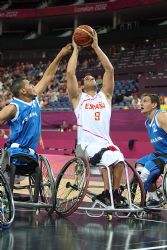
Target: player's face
(30, 89)
(89, 81)
(146, 105)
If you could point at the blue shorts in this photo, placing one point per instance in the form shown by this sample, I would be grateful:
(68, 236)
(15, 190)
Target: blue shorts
(148, 161)
(17, 151)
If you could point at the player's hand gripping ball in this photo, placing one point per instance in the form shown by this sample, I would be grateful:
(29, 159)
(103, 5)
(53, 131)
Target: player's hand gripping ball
(83, 35)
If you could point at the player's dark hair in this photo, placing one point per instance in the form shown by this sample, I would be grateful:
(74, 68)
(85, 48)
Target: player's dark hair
(17, 85)
(154, 98)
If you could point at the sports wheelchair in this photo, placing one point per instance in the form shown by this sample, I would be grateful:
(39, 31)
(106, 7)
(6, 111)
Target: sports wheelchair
(36, 188)
(159, 184)
(76, 190)
(7, 209)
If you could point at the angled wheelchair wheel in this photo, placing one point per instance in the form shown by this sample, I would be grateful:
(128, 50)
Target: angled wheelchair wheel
(71, 186)
(135, 185)
(47, 185)
(7, 210)
(159, 186)
(33, 188)
(164, 187)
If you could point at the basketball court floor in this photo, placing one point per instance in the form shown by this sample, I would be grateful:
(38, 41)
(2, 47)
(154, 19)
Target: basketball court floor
(80, 232)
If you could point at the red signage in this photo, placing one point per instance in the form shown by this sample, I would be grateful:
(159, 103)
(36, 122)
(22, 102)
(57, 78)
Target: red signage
(72, 10)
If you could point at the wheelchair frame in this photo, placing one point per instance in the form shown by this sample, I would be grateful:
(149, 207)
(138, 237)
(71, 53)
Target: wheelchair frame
(47, 186)
(7, 208)
(78, 182)
(162, 190)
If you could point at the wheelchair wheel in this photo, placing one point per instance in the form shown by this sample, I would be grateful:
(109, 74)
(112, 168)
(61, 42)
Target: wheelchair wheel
(164, 186)
(7, 210)
(159, 187)
(136, 186)
(71, 186)
(47, 186)
(33, 188)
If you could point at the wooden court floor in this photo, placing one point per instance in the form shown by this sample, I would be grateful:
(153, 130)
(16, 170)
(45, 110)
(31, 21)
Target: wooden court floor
(80, 232)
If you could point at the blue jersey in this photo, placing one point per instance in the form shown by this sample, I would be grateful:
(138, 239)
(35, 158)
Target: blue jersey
(26, 125)
(158, 137)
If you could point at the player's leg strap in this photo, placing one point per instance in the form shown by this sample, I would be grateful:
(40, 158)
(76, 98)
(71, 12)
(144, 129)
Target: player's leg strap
(160, 163)
(97, 157)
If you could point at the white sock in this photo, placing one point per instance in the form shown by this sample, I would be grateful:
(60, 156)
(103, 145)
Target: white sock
(155, 196)
(150, 194)
(144, 174)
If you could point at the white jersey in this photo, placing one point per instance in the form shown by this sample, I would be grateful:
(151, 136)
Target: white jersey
(93, 120)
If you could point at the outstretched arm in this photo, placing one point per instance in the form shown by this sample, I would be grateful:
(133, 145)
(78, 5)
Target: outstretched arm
(51, 70)
(72, 83)
(7, 113)
(108, 77)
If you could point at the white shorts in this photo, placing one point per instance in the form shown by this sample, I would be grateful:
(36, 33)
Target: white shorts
(108, 158)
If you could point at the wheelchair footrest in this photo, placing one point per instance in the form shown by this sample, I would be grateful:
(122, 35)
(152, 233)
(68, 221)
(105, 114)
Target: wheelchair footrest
(21, 198)
(31, 205)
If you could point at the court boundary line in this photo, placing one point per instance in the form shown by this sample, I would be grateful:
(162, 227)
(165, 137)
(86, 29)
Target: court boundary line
(147, 248)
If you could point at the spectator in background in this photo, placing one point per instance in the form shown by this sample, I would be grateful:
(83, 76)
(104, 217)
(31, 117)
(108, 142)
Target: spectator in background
(99, 80)
(74, 127)
(136, 103)
(163, 103)
(1, 86)
(2, 102)
(44, 102)
(8, 97)
(164, 107)
(64, 126)
(53, 93)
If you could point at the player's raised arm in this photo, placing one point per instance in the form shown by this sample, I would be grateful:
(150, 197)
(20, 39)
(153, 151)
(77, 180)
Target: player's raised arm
(51, 70)
(72, 83)
(7, 113)
(108, 77)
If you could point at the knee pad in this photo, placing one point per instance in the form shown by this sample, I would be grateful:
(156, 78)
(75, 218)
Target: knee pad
(144, 174)
(139, 168)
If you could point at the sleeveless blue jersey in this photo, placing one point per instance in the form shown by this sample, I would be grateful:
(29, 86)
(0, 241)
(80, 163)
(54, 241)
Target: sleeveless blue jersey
(26, 125)
(158, 137)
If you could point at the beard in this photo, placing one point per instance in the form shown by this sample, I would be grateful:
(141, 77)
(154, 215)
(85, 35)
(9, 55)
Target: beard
(91, 88)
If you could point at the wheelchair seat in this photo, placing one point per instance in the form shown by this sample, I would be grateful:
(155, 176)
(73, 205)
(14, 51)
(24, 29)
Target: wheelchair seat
(24, 165)
(37, 185)
(80, 153)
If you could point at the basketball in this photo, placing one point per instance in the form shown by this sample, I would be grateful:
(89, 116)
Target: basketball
(83, 35)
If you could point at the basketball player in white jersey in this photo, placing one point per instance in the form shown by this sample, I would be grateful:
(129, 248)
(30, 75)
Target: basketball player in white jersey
(93, 112)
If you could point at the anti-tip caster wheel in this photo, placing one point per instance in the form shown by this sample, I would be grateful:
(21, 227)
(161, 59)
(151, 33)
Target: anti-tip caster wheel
(109, 217)
(37, 211)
